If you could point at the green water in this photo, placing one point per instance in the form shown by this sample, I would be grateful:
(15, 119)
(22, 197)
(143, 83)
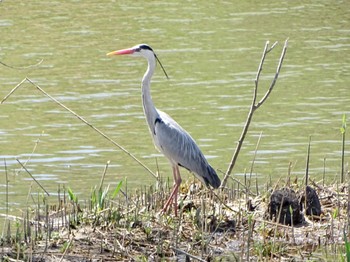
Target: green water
(210, 51)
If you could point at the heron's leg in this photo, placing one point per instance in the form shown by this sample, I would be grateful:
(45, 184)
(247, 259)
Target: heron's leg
(167, 203)
(177, 180)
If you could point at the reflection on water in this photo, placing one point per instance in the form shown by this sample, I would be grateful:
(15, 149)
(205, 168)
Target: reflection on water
(210, 51)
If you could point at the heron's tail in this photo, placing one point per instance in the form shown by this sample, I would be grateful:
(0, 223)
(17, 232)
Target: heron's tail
(212, 178)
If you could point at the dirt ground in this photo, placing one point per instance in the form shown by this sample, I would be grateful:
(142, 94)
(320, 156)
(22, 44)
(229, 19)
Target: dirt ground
(234, 228)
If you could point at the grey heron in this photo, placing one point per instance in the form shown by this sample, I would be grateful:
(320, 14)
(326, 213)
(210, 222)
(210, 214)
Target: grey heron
(168, 136)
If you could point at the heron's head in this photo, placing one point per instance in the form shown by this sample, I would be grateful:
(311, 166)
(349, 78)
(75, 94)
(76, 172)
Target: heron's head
(137, 50)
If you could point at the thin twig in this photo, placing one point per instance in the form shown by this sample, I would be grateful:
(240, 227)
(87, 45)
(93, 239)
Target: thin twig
(83, 120)
(93, 127)
(22, 67)
(36, 181)
(30, 156)
(13, 90)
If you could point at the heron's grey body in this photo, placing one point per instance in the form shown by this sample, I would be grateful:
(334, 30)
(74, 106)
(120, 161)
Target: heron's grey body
(168, 136)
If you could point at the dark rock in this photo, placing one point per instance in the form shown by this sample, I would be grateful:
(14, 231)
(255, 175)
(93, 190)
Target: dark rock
(287, 201)
(312, 204)
(250, 206)
(228, 225)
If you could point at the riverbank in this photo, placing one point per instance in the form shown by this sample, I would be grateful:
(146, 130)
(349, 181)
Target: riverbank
(228, 225)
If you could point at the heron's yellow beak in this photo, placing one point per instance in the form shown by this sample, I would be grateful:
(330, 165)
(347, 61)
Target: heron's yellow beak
(122, 52)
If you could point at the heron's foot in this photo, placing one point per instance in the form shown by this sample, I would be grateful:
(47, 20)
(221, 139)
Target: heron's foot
(165, 209)
(172, 200)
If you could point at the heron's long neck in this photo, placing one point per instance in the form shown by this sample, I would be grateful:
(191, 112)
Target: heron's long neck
(148, 106)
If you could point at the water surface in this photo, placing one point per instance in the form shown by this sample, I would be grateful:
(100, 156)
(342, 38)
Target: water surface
(211, 52)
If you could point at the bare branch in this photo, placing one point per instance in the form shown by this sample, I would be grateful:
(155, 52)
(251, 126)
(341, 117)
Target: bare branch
(239, 145)
(276, 75)
(259, 71)
(272, 47)
(254, 106)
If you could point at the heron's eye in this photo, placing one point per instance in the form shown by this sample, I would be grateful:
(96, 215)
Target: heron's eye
(138, 49)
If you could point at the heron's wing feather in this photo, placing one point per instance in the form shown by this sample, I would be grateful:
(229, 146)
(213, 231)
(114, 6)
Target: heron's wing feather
(178, 146)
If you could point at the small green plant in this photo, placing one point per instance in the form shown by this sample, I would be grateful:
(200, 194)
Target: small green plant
(55, 235)
(67, 246)
(99, 196)
(72, 196)
(142, 258)
(117, 189)
(19, 250)
(335, 213)
(148, 231)
(18, 226)
(263, 249)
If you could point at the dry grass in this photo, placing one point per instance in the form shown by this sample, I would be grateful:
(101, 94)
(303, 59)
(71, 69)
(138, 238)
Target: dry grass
(121, 226)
